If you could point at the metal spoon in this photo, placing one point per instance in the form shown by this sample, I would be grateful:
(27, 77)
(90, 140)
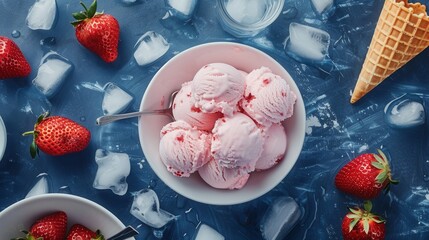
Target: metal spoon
(124, 234)
(111, 118)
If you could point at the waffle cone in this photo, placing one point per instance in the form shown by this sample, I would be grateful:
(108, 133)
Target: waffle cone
(402, 32)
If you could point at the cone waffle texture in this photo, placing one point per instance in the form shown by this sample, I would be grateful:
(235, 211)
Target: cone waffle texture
(402, 32)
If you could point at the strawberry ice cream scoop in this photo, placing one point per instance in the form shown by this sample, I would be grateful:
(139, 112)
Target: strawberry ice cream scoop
(268, 98)
(274, 146)
(184, 109)
(223, 178)
(183, 149)
(218, 87)
(237, 142)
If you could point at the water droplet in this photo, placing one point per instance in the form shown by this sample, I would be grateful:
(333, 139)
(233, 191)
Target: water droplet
(158, 233)
(16, 34)
(83, 119)
(48, 42)
(152, 183)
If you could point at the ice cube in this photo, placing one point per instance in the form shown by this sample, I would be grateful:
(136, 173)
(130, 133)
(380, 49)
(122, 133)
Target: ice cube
(149, 48)
(146, 208)
(42, 186)
(182, 8)
(323, 7)
(31, 101)
(115, 99)
(42, 15)
(280, 218)
(113, 170)
(53, 70)
(405, 112)
(246, 11)
(206, 232)
(180, 27)
(307, 43)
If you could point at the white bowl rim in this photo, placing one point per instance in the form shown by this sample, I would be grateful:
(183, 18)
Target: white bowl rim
(4, 138)
(62, 197)
(299, 142)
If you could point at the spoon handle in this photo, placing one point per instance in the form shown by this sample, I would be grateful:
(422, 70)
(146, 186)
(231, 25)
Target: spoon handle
(124, 234)
(111, 118)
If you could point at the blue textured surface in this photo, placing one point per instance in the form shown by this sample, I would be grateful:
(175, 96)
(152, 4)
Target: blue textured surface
(345, 130)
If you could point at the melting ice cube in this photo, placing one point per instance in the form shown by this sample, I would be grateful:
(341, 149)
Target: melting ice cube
(182, 9)
(146, 208)
(150, 47)
(323, 7)
(307, 43)
(42, 186)
(183, 28)
(280, 218)
(42, 15)
(30, 100)
(113, 170)
(206, 232)
(246, 11)
(405, 112)
(115, 99)
(53, 70)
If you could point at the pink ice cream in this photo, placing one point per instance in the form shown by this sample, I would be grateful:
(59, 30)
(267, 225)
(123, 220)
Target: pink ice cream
(218, 87)
(223, 178)
(184, 109)
(183, 149)
(274, 146)
(237, 142)
(268, 98)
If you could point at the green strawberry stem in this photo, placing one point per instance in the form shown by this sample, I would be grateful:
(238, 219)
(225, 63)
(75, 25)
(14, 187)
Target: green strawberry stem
(83, 15)
(34, 150)
(365, 215)
(385, 172)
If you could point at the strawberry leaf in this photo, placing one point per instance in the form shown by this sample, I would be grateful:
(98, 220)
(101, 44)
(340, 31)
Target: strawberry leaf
(92, 9)
(353, 224)
(377, 165)
(353, 215)
(383, 156)
(366, 225)
(355, 211)
(75, 23)
(42, 116)
(84, 7)
(79, 16)
(379, 159)
(381, 177)
(33, 149)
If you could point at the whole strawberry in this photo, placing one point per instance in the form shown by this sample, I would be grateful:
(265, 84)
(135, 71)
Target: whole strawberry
(98, 32)
(361, 224)
(12, 62)
(365, 176)
(49, 227)
(57, 136)
(78, 231)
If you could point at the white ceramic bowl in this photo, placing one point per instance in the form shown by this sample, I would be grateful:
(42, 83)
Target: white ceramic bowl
(21, 215)
(3, 138)
(182, 68)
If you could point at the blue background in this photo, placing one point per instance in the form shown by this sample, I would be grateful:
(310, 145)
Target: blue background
(346, 130)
